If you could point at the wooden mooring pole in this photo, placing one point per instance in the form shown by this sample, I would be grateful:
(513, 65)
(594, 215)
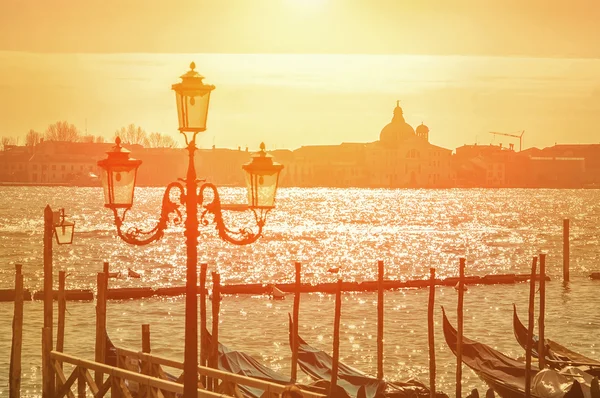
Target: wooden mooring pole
(48, 286)
(295, 320)
(17, 337)
(336, 340)
(203, 344)
(459, 311)
(146, 366)
(431, 333)
(47, 370)
(380, 271)
(62, 308)
(541, 345)
(100, 325)
(530, 321)
(566, 250)
(216, 305)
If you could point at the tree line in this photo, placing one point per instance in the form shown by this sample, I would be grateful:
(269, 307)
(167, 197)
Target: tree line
(63, 131)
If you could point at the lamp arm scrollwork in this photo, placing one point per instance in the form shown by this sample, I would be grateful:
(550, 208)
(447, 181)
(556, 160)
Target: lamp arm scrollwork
(137, 236)
(241, 236)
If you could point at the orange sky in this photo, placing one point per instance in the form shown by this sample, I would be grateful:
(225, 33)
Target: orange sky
(549, 28)
(543, 75)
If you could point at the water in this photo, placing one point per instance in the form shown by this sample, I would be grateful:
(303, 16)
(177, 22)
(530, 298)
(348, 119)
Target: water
(411, 230)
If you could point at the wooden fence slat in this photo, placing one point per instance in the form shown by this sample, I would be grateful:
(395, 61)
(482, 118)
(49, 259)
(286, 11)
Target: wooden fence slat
(124, 390)
(81, 390)
(103, 389)
(65, 384)
(90, 382)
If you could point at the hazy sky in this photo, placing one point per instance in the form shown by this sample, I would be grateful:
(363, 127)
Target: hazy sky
(485, 66)
(548, 28)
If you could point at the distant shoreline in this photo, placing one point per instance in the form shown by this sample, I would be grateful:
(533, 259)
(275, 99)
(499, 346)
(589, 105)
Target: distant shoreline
(58, 184)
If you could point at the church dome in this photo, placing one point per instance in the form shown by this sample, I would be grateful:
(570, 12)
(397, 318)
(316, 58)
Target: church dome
(422, 129)
(397, 130)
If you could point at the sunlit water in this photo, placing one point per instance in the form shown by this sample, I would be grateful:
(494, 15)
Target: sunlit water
(411, 230)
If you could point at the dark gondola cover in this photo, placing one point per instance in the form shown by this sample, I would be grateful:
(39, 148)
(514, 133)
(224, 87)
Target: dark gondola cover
(556, 351)
(318, 365)
(243, 364)
(506, 376)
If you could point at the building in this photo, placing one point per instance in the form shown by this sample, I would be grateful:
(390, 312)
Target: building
(402, 157)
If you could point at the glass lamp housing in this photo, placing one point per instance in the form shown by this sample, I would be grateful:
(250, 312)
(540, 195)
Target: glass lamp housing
(64, 232)
(192, 97)
(118, 177)
(262, 179)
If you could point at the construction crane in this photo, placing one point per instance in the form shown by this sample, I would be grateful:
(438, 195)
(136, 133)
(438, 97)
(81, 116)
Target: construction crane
(515, 135)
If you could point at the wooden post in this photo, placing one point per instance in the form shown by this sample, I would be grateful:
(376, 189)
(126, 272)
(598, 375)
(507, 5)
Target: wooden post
(100, 325)
(81, 393)
(48, 285)
(530, 329)
(566, 250)
(17, 337)
(541, 346)
(47, 370)
(106, 270)
(203, 345)
(336, 339)
(459, 310)
(380, 271)
(62, 307)
(295, 320)
(146, 338)
(145, 365)
(216, 304)
(431, 332)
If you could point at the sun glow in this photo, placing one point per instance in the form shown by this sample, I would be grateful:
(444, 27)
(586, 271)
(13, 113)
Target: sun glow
(312, 5)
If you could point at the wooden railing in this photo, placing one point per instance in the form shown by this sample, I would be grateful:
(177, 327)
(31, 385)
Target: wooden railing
(119, 381)
(270, 388)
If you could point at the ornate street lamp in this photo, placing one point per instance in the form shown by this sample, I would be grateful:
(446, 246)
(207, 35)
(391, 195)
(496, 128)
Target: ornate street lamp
(63, 230)
(118, 177)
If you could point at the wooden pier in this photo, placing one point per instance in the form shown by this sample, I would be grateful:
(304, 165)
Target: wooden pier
(265, 289)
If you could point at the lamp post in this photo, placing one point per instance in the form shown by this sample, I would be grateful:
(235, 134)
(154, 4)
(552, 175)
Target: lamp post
(118, 179)
(54, 226)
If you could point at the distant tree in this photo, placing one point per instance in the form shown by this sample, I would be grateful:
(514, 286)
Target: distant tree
(33, 138)
(62, 131)
(99, 139)
(87, 138)
(158, 140)
(132, 134)
(4, 141)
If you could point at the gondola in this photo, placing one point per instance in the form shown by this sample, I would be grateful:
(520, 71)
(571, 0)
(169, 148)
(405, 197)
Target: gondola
(507, 376)
(504, 375)
(557, 354)
(352, 382)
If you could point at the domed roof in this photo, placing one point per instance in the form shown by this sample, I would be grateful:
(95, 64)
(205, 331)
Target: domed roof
(397, 130)
(422, 129)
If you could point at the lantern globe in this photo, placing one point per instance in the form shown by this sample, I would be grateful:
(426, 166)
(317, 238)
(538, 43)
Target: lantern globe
(192, 97)
(118, 177)
(262, 179)
(63, 232)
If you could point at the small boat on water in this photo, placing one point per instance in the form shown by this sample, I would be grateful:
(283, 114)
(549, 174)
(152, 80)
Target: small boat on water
(556, 354)
(133, 274)
(352, 382)
(276, 294)
(507, 376)
(504, 375)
